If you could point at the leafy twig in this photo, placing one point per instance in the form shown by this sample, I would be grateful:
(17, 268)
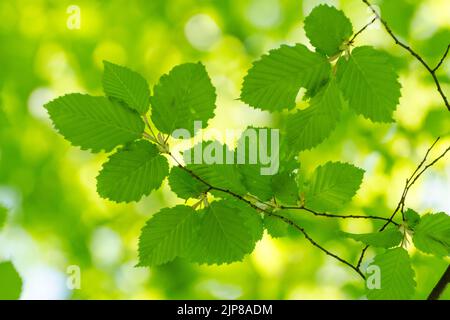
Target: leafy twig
(431, 70)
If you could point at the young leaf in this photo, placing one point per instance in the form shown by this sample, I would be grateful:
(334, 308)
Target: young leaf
(132, 172)
(412, 218)
(3, 216)
(397, 276)
(432, 234)
(310, 127)
(181, 97)
(124, 84)
(274, 81)
(275, 227)
(184, 185)
(327, 28)
(387, 238)
(332, 185)
(369, 83)
(95, 123)
(167, 234)
(285, 188)
(223, 237)
(11, 282)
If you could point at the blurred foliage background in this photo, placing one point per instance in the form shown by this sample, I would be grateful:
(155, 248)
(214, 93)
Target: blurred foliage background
(56, 218)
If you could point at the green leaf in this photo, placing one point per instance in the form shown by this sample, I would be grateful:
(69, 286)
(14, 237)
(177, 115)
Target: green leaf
(132, 172)
(397, 276)
(181, 97)
(184, 185)
(285, 188)
(310, 127)
(275, 227)
(3, 216)
(95, 123)
(332, 185)
(387, 238)
(223, 237)
(274, 81)
(412, 218)
(167, 234)
(124, 84)
(327, 28)
(11, 282)
(369, 83)
(432, 234)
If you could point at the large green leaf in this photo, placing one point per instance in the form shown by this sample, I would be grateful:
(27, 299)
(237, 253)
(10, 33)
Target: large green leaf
(332, 185)
(184, 185)
(95, 123)
(397, 276)
(181, 97)
(369, 83)
(132, 172)
(10, 282)
(387, 238)
(310, 127)
(274, 81)
(327, 28)
(432, 234)
(124, 84)
(224, 235)
(167, 234)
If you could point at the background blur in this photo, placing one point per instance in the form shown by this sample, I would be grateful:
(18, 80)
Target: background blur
(56, 217)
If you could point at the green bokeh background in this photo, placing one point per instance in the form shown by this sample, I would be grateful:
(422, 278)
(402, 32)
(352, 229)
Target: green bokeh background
(56, 218)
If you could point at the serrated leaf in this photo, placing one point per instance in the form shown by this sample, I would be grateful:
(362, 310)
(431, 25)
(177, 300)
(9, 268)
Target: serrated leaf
(11, 282)
(369, 83)
(397, 276)
(94, 123)
(181, 97)
(327, 28)
(412, 218)
(3, 216)
(285, 188)
(332, 185)
(387, 238)
(167, 234)
(122, 83)
(275, 227)
(222, 237)
(309, 127)
(274, 81)
(132, 172)
(432, 234)
(184, 185)
(252, 219)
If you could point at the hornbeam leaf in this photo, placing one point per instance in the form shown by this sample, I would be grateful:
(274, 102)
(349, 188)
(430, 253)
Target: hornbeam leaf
(124, 84)
(181, 97)
(327, 28)
(369, 83)
(167, 234)
(397, 276)
(94, 123)
(432, 234)
(184, 185)
(387, 238)
(274, 81)
(132, 172)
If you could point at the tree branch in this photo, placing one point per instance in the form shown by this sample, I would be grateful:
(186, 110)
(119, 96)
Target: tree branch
(361, 30)
(440, 286)
(432, 71)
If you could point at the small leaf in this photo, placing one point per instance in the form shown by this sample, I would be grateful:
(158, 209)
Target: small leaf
(310, 127)
(369, 83)
(223, 237)
(397, 276)
(332, 185)
(275, 227)
(327, 28)
(412, 218)
(184, 185)
(132, 172)
(181, 97)
(285, 188)
(167, 234)
(11, 282)
(273, 82)
(432, 234)
(94, 123)
(124, 84)
(387, 238)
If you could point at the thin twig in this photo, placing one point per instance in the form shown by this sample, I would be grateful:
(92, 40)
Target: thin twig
(362, 30)
(441, 285)
(442, 59)
(432, 71)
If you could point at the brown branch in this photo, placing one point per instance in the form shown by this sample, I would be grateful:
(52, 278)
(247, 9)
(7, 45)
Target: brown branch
(442, 59)
(441, 285)
(361, 30)
(432, 71)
